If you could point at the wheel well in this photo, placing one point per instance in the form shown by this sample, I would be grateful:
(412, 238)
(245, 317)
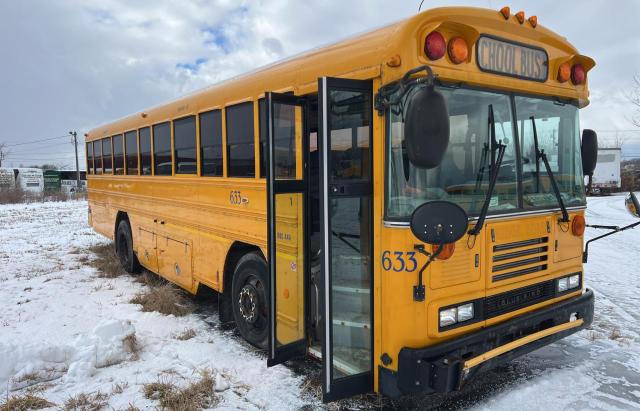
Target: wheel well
(235, 253)
(119, 217)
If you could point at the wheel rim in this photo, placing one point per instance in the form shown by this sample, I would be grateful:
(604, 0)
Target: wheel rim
(251, 303)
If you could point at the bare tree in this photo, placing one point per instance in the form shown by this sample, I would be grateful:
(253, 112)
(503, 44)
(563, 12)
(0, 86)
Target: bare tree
(634, 97)
(3, 152)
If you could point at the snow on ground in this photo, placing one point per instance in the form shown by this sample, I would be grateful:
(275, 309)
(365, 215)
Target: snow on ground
(61, 322)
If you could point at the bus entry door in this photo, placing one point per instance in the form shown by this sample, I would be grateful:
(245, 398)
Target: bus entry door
(286, 226)
(345, 129)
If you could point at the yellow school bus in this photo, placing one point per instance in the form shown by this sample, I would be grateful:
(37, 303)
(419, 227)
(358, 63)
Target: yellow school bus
(406, 205)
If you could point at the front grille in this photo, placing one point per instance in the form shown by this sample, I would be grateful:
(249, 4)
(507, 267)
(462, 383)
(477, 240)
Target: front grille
(519, 258)
(513, 300)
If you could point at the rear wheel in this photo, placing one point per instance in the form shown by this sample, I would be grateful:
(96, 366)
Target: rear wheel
(249, 299)
(124, 248)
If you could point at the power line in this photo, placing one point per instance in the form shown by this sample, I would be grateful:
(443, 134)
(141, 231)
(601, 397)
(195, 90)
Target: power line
(35, 141)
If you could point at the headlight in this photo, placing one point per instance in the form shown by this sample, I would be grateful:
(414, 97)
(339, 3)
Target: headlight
(563, 284)
(568, 283)
(448, 317)
(454, 315)
(574, 281)
(465, 312)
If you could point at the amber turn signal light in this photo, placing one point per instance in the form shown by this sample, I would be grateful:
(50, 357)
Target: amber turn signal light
(447, 251)
(434, 46)
(578, 225)
(520, 17)
(564, 72)
(506, 12)
(458, 50)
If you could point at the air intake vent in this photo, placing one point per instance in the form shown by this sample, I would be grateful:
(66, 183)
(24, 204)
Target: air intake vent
(519, 258)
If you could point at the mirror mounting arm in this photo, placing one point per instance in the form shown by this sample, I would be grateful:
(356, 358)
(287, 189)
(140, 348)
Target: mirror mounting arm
(585, 255)
(392, 93)
(419, 290)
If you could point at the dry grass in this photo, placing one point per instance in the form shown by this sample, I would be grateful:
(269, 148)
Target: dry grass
(195, 396)
(12, 196)
(187, 334)
(106, 261)
(25, 402)
(119, 388)
(86, 402)
(165, 299)
(150, 279)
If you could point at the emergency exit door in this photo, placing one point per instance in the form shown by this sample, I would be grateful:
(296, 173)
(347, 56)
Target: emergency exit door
(345, 109)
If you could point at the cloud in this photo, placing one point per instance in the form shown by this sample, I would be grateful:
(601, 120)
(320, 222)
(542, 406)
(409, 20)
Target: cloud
(75, 64)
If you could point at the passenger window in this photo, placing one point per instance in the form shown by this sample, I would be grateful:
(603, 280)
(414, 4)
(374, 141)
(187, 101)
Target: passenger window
(97, 157)
(184, 142)
(162, 149)
(107, 158)
(118, 155)
(240, 141)
(145, 151)
(90, 157)
(131, 148)
(211, 143)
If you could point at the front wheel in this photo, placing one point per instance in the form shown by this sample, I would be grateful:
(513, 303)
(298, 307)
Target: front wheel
(249, 299)
(124, 248)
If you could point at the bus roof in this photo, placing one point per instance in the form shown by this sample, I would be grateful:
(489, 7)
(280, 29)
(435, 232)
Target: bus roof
(369, 55)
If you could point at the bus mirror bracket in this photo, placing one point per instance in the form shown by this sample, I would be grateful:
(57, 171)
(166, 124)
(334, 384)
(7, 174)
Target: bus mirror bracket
(424, 113)
(436, 223)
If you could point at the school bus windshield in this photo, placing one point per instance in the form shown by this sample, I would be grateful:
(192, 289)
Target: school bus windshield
(463, 175)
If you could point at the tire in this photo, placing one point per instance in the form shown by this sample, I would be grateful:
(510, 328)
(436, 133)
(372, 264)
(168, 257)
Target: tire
(124, 248)
(249, 299)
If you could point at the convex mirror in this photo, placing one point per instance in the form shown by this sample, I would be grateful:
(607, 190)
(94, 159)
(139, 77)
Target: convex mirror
(426, 127)
(439, 222)
(631, 203)
(589, 151)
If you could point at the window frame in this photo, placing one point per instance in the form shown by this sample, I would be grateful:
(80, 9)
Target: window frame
(140, 165)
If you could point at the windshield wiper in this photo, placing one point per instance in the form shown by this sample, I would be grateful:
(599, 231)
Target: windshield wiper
(495, 168)
(554, 184)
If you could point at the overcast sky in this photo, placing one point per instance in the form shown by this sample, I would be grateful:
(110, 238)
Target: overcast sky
(74, 64)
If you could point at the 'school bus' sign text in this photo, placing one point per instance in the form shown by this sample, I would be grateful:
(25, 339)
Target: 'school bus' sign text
(512, 59)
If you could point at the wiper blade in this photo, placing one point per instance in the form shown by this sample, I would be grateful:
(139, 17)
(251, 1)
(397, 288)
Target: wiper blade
(495, 168)
(554, 184)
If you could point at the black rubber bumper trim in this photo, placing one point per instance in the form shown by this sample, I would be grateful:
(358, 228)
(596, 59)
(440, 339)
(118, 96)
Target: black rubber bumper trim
(439, 368)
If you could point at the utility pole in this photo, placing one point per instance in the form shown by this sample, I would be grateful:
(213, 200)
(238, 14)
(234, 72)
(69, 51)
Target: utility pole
(75, 144)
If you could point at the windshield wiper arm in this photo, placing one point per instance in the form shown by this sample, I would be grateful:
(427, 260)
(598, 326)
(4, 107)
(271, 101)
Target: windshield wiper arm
(554, 184)
(495, 168)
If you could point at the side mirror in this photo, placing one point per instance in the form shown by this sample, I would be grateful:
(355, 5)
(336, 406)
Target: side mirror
(589, 151)
(439, 222)
(632, 205)
(426, 128)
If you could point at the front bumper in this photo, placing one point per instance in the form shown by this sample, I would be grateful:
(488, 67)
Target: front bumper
(441, 368)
